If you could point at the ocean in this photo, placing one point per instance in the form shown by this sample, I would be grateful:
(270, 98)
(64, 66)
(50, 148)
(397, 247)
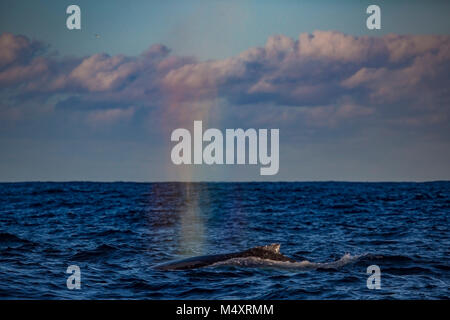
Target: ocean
(116, 233)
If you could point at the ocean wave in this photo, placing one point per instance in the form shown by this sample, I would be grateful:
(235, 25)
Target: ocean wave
(94, 254)
(9, 238)
(305, 264)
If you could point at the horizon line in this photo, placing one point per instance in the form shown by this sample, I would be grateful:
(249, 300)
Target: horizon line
(224, 181)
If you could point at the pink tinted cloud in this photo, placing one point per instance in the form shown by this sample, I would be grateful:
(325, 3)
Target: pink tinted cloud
(16, 48)
(315, 70)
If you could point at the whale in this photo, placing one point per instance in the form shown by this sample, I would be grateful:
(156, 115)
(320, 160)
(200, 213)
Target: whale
(269, 252)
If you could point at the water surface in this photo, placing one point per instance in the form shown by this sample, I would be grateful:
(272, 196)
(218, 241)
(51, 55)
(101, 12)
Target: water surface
(117, 232)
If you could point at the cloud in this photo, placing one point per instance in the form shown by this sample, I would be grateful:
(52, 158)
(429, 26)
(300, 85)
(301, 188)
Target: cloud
(109, 116)
(324, 68)
(340, 75)
(16, 49)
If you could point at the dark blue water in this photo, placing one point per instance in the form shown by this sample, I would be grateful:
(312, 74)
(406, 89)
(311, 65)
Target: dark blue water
(117, 232)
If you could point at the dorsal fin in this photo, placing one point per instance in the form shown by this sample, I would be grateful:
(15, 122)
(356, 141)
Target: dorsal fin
(274, 247)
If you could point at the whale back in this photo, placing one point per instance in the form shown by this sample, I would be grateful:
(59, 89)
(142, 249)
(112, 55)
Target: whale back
(274, 247)
(271, 252)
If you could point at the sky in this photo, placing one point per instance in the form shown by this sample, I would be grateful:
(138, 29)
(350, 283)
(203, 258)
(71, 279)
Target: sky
(100, 103)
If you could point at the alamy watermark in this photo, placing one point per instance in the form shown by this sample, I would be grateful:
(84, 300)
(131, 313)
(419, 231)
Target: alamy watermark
(73, 21)
(235, 139)
(74, 280)
(374, 280)
(374, 20)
